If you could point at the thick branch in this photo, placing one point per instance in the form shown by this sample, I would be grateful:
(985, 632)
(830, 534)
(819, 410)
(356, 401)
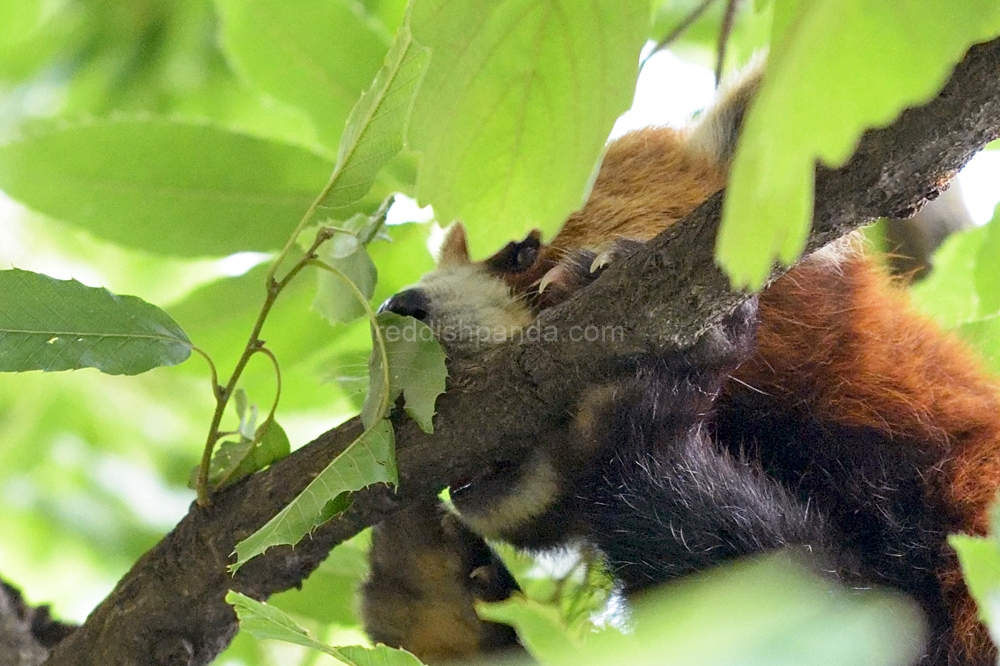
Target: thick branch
(169, 609)
(26, 633)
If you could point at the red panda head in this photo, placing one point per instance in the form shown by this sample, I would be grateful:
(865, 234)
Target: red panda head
(470, 305)
(648, 180)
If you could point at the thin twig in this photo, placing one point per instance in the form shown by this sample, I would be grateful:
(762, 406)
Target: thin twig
(725, 31)
(679, 30)
(254, 345)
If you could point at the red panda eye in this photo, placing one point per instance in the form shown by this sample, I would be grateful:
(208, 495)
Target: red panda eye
(527, 253)
(514, 257)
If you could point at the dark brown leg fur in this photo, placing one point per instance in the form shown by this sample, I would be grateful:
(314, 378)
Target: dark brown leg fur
(427, 572)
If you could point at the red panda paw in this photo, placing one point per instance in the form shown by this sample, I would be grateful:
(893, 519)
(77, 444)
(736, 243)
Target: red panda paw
(578, 268)
(427, 572)
(619, 249)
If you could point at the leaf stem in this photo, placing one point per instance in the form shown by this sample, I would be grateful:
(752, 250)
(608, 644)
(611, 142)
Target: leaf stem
(313, 207)
(379, 338)
(725, 32)
(211, 367)
(277, 376)
(253, 346)
(685, 23)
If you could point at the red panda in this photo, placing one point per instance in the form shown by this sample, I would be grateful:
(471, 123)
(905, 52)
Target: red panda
(826, 415)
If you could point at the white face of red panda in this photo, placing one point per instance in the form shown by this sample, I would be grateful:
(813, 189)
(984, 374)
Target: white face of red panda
(469, 305)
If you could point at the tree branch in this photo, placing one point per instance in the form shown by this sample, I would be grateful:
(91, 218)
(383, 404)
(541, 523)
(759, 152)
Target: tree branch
(169, 608)
(26, 633)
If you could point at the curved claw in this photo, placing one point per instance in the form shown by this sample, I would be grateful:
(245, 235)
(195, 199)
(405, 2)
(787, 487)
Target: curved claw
(556, 275)
(601, 261)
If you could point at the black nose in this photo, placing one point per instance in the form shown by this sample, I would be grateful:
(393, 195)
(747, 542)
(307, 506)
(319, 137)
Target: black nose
(409, 303)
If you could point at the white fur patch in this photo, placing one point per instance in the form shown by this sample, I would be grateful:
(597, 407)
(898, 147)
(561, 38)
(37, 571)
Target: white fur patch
(836, 252)
(469, 309)
(715, 132)
(530, 496)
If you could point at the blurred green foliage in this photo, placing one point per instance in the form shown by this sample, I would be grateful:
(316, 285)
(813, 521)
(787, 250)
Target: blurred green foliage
(835, 69)
(963, 293)
(765, 611)
(162, 135)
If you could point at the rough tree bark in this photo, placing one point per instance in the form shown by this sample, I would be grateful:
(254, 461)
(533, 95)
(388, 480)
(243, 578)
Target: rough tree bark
(26, 633)
(169, 608)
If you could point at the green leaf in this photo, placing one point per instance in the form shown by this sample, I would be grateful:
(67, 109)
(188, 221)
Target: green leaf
(980, 560)
(248, 421)
(335, 300)
(784, 19)
(376, 126)
(272, 444)
(949, 293)
(987, 276)
(840, 67)
(316, 55)
(389, 12)
(962, 292)
(797, 618)
(518, 101)
(369, 459)
(380, 655)
(241, 402)
(328, 596)
(204, 190)
(401, 262)
(31, 37)
(540, 628)
(228, 457)
(984, 336)
(268, 623)
(235, 460)
(416, 369)
(346, 253)
(18, 18)
(48, 324)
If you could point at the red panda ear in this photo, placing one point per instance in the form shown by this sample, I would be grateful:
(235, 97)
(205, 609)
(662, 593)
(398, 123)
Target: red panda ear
(455, 248)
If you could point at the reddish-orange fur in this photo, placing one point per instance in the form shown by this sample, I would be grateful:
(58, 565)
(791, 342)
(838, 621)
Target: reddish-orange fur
(844, 341)
(837, 341)
(648, 181)
(835, 335)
